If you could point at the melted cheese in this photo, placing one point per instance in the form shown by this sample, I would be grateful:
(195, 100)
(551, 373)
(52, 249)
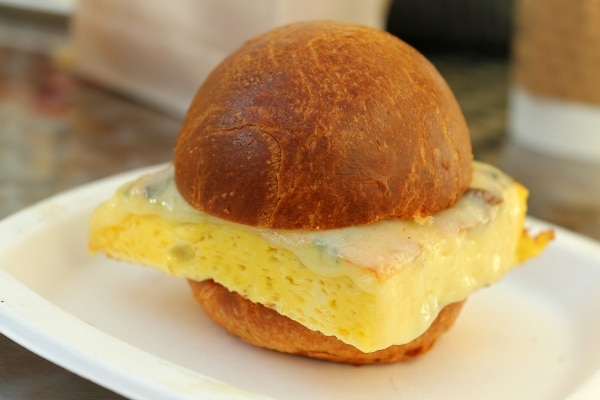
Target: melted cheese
(371, 286)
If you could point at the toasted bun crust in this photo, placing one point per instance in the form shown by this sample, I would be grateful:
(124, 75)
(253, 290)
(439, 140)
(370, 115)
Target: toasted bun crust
(264, 327)
(320, 125)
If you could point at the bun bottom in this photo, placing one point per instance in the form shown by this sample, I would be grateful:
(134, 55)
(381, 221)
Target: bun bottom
(264, 327)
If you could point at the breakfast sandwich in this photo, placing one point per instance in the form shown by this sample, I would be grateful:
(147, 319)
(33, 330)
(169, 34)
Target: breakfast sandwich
(323, 199)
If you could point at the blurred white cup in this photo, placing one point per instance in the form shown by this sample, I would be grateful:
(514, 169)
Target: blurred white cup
(554, 99)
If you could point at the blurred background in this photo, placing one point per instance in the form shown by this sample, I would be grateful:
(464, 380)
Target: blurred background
(92, 88)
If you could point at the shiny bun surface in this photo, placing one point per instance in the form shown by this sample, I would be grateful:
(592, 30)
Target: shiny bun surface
(321, 125)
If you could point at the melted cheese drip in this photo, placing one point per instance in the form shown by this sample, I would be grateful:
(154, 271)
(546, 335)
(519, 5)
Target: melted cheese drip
(371, 286)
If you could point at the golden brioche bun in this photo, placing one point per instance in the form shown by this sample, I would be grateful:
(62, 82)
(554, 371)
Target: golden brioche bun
(320, 125)
(264, 327)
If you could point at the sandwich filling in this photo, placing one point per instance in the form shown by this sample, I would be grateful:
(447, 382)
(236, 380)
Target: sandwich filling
(371, 286)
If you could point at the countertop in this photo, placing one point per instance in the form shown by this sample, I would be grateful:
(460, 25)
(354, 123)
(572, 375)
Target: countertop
(58, 131)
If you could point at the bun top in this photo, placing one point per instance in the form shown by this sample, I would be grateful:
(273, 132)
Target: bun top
(321, 125)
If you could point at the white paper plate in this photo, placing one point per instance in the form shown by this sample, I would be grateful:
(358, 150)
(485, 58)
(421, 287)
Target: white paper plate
(138, 332)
